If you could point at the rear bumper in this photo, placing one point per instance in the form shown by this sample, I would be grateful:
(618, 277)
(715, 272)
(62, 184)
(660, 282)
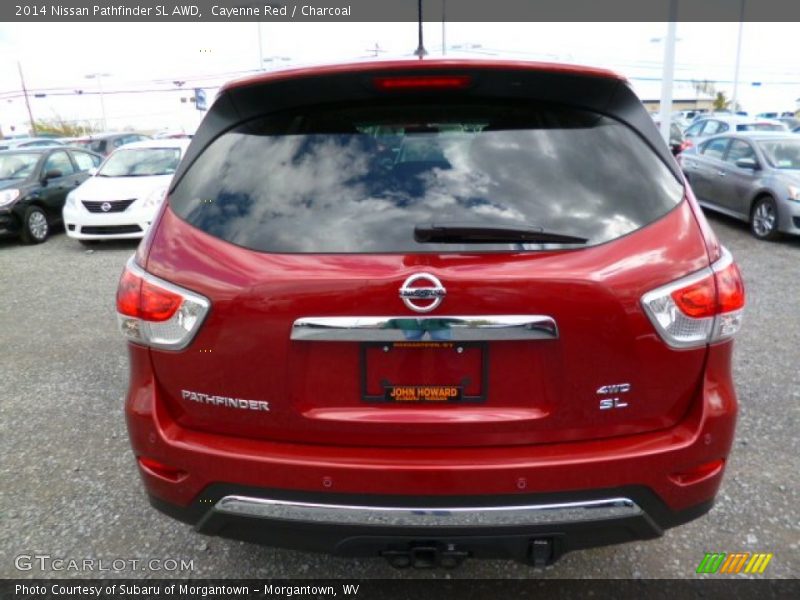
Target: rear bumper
(428, 517)
(507, 527)
(662, 478)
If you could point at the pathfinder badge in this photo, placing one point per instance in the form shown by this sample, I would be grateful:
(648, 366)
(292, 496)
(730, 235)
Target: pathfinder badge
(225, 401)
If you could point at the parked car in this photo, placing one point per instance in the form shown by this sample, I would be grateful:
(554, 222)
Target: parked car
(790, 122)
(493, 345)
(122, 198)
(176, 135)
(705, 128)
(677, 143)
(106, 143)
(28, 142)
(34, 183)
(752, 176)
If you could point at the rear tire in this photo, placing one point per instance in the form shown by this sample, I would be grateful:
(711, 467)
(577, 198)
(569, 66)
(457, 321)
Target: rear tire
(764, 219)
(35, 227)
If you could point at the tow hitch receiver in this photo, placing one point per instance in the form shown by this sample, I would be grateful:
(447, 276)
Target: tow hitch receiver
(426, 556)
(540, 553)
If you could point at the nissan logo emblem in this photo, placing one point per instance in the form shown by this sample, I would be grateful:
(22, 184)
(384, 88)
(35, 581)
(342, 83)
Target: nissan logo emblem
(430, 295)
(105, 206)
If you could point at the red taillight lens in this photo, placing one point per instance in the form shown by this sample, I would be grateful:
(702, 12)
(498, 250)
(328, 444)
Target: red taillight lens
(157, 304)
(730, 289)
(128, 292)
(144, 300)
(701, 299)
(697, 300)
(422, 82)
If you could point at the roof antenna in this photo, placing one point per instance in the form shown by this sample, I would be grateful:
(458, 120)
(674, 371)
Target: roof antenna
(420, 51)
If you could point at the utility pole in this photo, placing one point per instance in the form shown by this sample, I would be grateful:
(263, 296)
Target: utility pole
(99, 78)
(444, 33)
(27, 101)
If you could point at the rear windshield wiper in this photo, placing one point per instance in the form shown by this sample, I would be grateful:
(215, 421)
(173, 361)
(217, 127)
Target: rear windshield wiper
(489, 234)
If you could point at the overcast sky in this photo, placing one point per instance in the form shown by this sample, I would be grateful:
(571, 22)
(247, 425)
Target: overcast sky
(150, 56)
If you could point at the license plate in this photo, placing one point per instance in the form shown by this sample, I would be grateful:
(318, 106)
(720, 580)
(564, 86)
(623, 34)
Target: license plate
(424, 372)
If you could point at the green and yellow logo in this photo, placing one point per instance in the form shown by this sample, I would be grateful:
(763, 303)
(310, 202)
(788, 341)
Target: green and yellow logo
(734, 562)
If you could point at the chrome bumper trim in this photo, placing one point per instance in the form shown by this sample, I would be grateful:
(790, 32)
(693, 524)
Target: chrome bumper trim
(478, 516)
(406, 329)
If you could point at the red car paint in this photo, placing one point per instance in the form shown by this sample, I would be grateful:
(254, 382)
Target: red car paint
(538, 429)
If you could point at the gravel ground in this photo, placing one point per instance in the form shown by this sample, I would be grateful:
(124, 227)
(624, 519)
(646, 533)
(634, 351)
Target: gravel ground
(69, 487)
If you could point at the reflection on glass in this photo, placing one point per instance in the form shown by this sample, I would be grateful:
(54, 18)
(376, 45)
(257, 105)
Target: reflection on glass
(361, 180)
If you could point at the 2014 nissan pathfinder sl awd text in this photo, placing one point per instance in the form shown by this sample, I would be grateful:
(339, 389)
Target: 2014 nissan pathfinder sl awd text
(431, 310)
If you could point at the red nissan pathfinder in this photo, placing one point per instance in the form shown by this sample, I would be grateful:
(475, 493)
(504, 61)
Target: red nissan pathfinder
(431, 310)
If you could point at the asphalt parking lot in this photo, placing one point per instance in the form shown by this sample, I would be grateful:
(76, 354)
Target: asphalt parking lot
(69, 487)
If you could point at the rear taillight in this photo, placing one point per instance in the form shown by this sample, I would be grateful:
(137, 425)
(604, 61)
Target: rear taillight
(156, 313)
(699, 309)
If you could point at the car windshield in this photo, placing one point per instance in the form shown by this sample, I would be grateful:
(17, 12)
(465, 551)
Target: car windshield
(760, 127)
(17, 166)
(361, 179)
(141, 162)
(782, 154)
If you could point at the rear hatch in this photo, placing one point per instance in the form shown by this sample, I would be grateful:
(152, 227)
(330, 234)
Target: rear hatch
(422, 257)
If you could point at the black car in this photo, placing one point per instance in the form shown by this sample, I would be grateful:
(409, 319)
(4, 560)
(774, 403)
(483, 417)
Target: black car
(34, 183)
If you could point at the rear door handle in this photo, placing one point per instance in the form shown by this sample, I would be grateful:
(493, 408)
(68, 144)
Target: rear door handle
(721, 173)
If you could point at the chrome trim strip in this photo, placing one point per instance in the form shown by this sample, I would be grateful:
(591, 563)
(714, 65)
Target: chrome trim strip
(477, 516)
(444, 328)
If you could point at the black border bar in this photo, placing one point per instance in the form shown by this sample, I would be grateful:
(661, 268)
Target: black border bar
(398, 10)
(418, 589)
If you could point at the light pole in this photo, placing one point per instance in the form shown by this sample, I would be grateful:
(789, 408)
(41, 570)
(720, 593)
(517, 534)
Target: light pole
(99, 77)
(668, 72)
(444, 32)
(738, 58)
(260, 48)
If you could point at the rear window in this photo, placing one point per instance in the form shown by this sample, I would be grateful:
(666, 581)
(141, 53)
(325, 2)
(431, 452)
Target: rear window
(359, 179)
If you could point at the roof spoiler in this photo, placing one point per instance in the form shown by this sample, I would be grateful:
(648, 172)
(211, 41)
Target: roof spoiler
(597, 90)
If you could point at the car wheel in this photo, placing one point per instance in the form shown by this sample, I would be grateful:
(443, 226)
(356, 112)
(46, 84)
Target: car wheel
(764, 219)
(35, 227)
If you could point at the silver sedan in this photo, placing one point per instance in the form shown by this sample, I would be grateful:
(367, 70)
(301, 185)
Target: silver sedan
(752, 176)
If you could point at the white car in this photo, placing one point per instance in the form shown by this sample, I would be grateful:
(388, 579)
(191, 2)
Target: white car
(715, 124)
(122, 198)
